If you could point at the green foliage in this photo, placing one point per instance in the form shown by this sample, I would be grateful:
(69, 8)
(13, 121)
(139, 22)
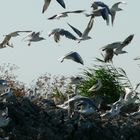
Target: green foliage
(113, 80)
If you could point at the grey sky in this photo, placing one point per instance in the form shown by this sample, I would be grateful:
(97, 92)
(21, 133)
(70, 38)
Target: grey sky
(42, 56)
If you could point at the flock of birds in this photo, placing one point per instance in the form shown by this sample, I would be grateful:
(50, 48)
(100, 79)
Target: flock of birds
(78, 103)
(99, 9)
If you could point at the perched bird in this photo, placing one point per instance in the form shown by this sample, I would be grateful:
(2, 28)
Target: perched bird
(84, 35)
(34, 37)
(96, 86)
(61, 32)
(64, 14)
(7, 38)
(116, 48)
(73, 56)
(47, 3)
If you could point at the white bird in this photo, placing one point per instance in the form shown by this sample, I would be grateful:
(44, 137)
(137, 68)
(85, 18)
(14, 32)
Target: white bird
(73, 56)
(61, 32)
(96, 86)
(34, 37)
(47, 3)
(64, 14)
(84, 35)
(7, 38)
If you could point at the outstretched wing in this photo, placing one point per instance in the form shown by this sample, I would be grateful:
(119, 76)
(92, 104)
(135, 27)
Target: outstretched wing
(115, 7)
(52, 17)
(67, 34)
(76, 11)
(75, 30)
(89, 27)
(128, 40)
(105, 15)
(62, 3)
(46, 5)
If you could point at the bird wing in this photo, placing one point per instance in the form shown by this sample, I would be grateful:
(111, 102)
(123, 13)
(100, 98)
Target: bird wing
(67, 34)
(46, 5)
(75, 57)
(64, 56)
(128, 40)
(105, 15)
(112, 46)
(115, 7)
(76, 11)
(79, 33)
(62, 3)
(88, 28)
(52, 17)
(113, 13)
(6, 40)
(125, 42)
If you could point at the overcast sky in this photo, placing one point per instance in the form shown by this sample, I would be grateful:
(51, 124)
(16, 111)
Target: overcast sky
(43, 56)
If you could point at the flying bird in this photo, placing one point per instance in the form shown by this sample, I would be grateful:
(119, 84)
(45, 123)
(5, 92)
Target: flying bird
(116, 48)
(100, 12)
(84, 35)
(73, 56)
(7, 38)
(61, 32)
(34, 37)
(47, 3)
(64, 14)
